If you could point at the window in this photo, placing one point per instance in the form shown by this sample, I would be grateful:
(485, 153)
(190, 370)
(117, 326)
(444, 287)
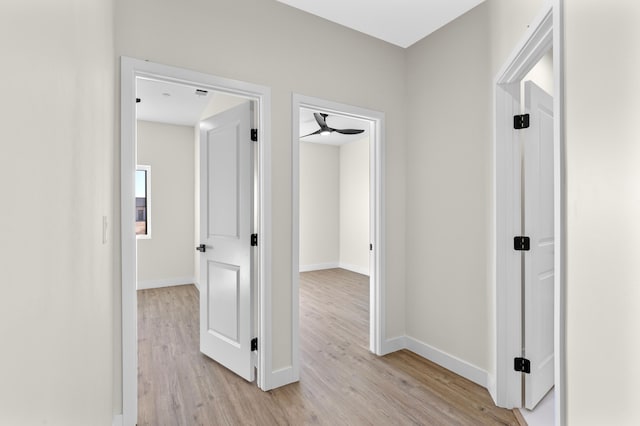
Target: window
(143, 201)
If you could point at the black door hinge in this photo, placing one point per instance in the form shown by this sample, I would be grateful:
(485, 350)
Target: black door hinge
(522, 364)
(138, 100)
(254, 344)
(521, 121)
(254, 135)
(254, 240)
(370, 247)
(521, 243)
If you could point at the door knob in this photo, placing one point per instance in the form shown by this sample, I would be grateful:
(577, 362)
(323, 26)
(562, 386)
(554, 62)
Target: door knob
(201, 248)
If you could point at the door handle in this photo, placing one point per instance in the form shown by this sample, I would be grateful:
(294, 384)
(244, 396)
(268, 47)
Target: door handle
(201, 248)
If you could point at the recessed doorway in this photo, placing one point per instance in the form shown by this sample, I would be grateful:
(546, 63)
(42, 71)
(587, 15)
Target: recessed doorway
(338, 182)
(529, 233)
(254, 104)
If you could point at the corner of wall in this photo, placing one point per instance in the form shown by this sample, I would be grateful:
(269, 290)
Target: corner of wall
(492, 387)
(117, 420)
(448, 361)
(393, 345)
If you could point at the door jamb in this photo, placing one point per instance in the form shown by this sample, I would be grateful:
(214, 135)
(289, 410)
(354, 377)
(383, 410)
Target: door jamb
(377, 193)
(131, 69)
(546, 32)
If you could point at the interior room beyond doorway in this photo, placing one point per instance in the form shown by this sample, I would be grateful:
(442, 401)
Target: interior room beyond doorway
(256, 104)
(334, 195)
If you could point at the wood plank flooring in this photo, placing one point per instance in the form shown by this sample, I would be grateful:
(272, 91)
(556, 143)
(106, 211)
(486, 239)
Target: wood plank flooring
(341, 382)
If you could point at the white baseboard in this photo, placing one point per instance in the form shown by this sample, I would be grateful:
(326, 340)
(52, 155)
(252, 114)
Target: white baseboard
(354, 268)
(393, 345)
(319, 267)
(450, 362)
(333, 265)
(117, 420)
(492, 388)
(170, 282)
(282, 377)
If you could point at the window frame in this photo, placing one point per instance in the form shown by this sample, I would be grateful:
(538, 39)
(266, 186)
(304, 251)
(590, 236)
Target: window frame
(147, 170)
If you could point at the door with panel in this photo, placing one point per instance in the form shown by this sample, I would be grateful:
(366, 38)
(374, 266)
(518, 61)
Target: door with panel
(539, 261)
(226, 227)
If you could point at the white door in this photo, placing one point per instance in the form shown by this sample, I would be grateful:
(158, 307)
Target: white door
(226, 314)
(538, 226)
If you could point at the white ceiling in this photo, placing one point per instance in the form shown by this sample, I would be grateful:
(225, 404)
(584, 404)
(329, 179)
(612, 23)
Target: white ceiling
(308, 125)
(400, 22)
(170, 103)
(178, 104)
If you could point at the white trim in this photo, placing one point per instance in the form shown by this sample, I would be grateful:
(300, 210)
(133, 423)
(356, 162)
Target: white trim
(544, 33)
(128, 243)
(117, 420)
(377, 192)
(169, 282)
(507, 210)
(130, 70)
(507, 261)
(283, 377)
(443, 359)
(448, 361)
(264, 293)
(354, 268)
(334, 265)
(319, 267)
(559, 221)
(393, 345)
(491, 386)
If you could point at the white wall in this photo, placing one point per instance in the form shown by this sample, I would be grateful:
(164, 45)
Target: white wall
(220, 102)
(56, 181)
(542, 74)
(167, 257)
(450, 77)
(319, 206)
(450, 290)
(232, 38)
(354, 206)
(603, 207)
(65, 51)
(448, 189)
(334, 206)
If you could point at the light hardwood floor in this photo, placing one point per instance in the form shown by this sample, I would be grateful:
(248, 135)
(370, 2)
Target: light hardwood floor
(341, 382)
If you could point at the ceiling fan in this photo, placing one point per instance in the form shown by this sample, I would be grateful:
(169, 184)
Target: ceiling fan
(324, 129)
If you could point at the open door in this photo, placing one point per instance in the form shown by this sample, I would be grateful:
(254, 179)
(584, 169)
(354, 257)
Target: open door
(539, 266)
(226, 218)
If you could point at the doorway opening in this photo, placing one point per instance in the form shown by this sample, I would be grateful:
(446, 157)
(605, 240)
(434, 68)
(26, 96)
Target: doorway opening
(339, 227)
(335, 240)
(529, 233)
(144, 131)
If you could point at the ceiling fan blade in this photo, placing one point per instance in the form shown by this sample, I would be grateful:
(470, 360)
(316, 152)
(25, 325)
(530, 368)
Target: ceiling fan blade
(349, 131)
(317, 132)
(321, 119)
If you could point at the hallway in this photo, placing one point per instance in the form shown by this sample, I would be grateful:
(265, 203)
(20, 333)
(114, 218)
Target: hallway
(341, 382)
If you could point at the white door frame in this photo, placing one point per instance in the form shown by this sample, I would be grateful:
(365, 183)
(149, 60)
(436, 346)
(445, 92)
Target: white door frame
(543, 34)
(131, 69)
(377, 268)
